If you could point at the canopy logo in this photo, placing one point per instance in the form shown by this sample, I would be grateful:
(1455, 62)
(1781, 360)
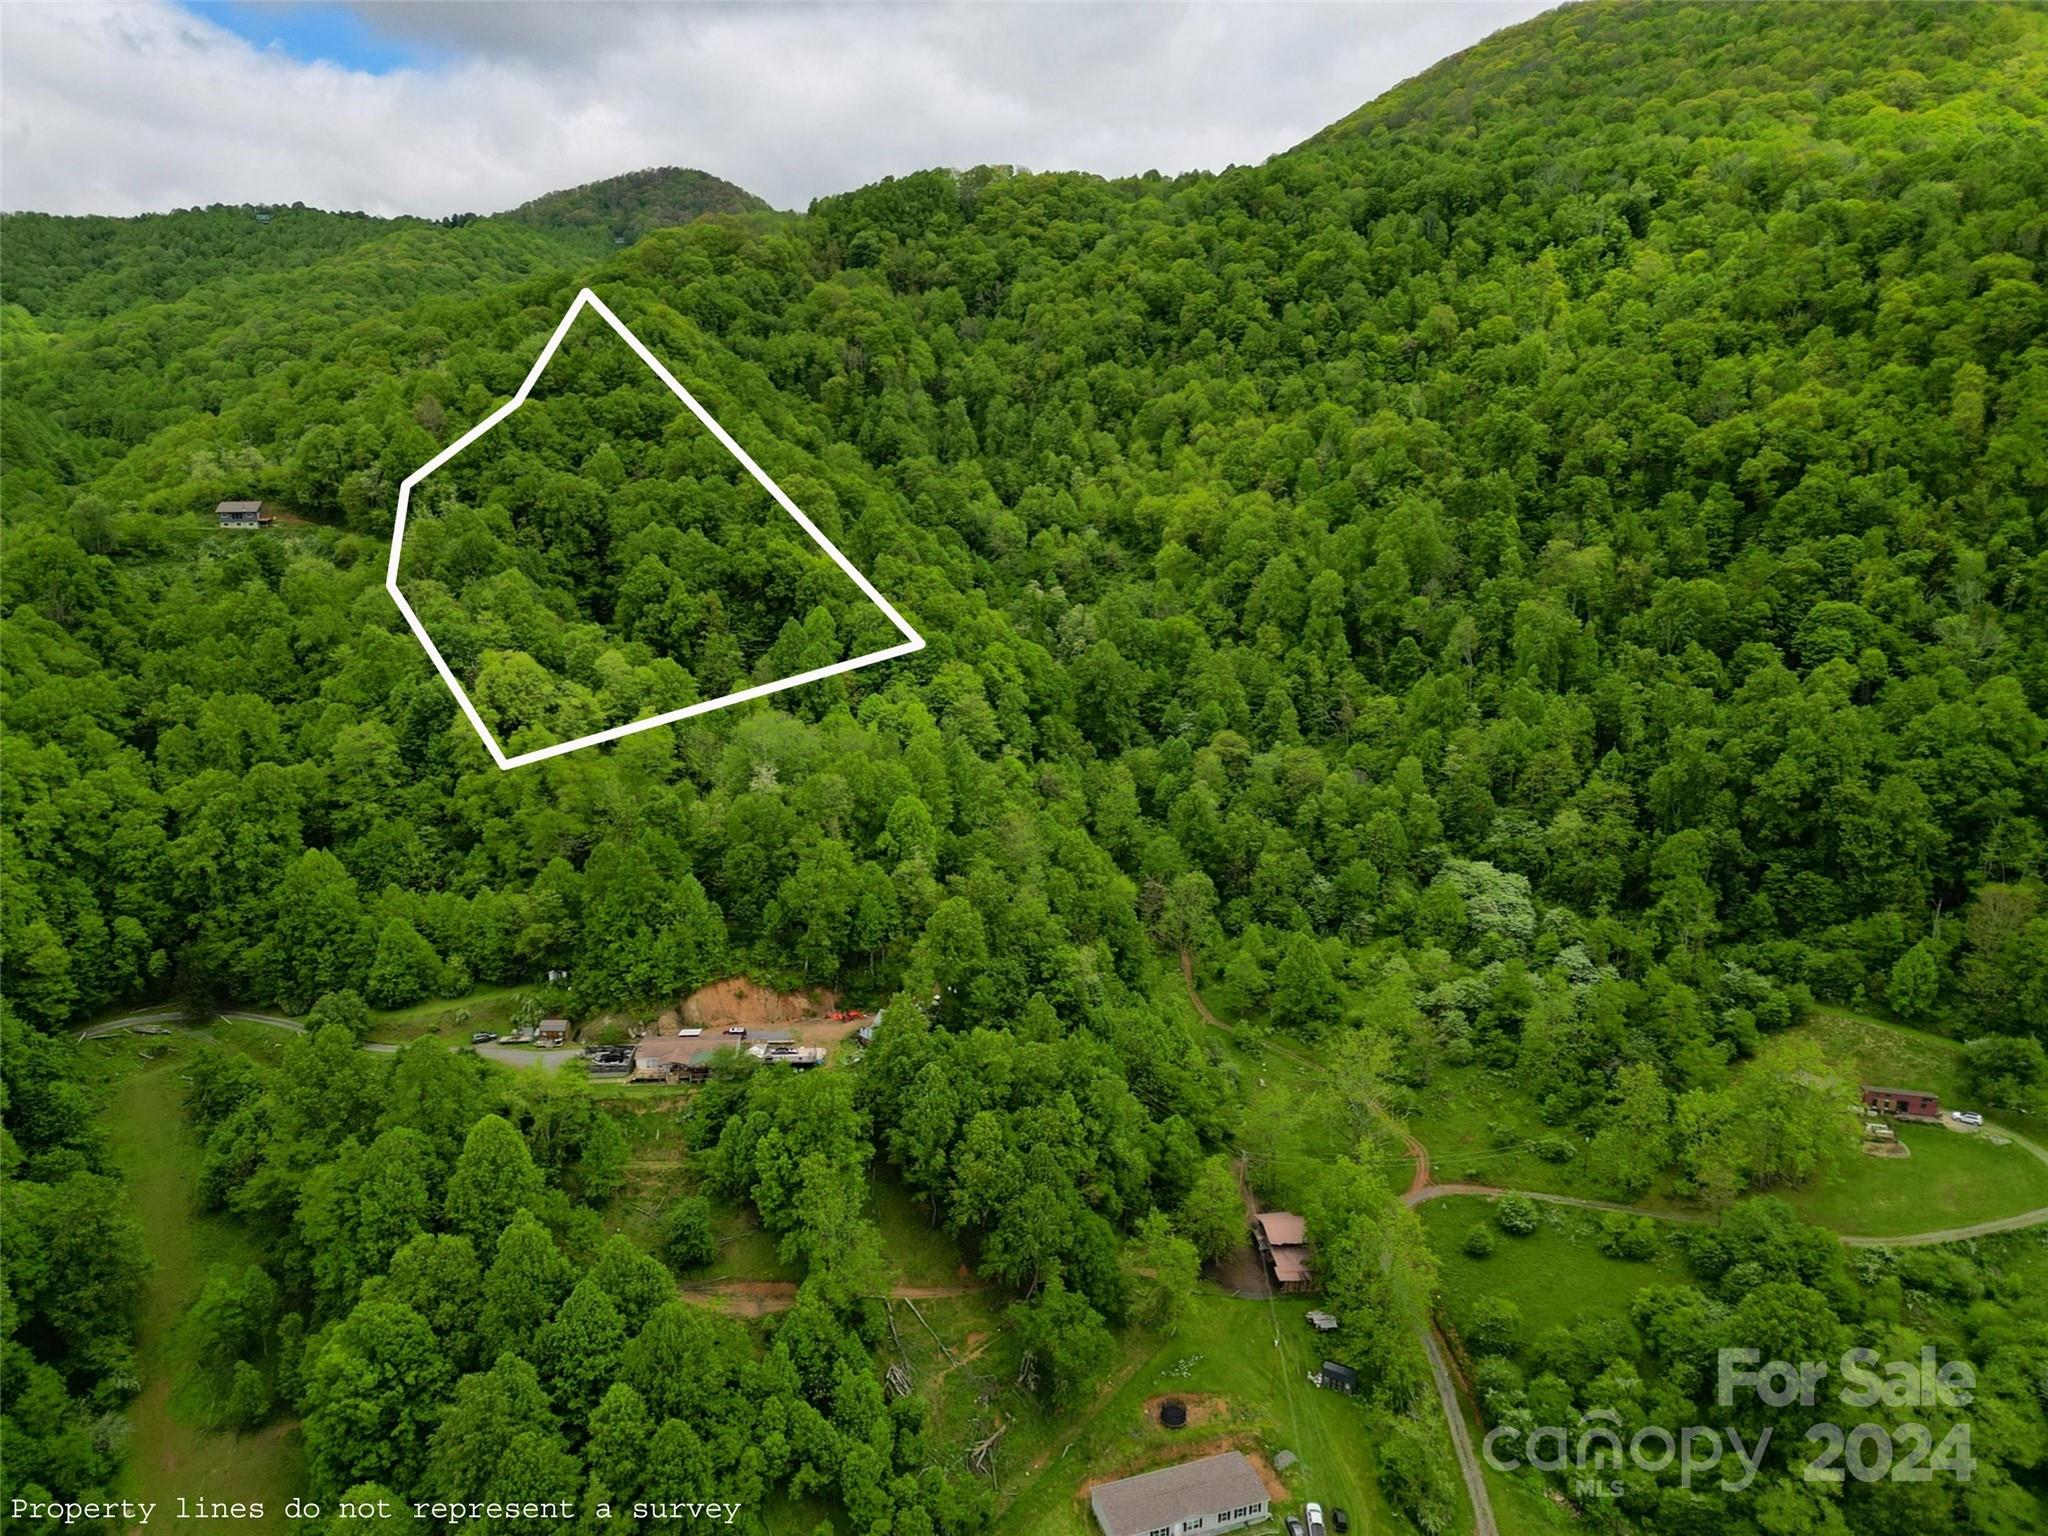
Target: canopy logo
(912, 641)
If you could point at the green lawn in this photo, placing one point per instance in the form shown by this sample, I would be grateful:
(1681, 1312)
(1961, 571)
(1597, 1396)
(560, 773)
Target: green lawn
(918, 1252)
(1248, 1361)
(1888, 1055)
(1552, 1275)
(452, 1019)
(1479, 1128)
(171, 1453)
(1951, 1180)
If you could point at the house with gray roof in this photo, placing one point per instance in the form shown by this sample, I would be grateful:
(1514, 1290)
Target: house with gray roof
(1216, 1493)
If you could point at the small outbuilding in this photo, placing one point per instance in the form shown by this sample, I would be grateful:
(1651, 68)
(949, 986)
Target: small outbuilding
(1338, 1378)
(1216, 1493)
(1902, 1103)
(552, 1032)
(1322, 1322)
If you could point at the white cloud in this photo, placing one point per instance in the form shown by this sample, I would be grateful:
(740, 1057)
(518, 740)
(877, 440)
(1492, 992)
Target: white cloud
(125, 109)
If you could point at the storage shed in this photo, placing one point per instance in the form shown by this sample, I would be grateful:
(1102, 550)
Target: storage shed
(1904, 1103)
(1337, 1377)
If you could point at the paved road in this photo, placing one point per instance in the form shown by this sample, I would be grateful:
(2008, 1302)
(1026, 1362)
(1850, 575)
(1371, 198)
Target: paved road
(178, 1018)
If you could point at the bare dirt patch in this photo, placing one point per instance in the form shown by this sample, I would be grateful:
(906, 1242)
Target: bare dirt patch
(758, 1298)
(743, 1298)
(1242, 1272)
(1203, 1407)
(737, 1000)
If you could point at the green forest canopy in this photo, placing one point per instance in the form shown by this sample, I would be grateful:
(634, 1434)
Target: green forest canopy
(1549, 573)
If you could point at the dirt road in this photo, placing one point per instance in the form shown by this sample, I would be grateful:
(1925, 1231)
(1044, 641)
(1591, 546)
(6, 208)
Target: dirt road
(758, 1298)
(178, 1018)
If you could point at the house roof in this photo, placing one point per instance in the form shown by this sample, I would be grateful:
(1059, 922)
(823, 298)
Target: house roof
(1340, 1371)
(1173, 1494)
(1909, 1093)
(239, 506)
(668, 1050)
(1290, 1263)
(1282, 1228)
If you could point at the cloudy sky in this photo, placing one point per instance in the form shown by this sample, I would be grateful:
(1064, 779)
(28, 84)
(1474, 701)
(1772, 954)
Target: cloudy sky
(449, 107)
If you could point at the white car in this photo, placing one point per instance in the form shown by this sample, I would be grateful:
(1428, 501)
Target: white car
(1966, 1117)
(1315, 1520)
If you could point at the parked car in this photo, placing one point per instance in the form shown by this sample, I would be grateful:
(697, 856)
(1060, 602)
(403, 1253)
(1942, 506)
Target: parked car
(1966, 1117)
(482, 1037)
(1339, 1521)
(1315, 1520)
(736, 1029)
(1294, 1527)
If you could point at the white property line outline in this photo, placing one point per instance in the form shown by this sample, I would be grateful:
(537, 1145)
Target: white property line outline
(912, 640)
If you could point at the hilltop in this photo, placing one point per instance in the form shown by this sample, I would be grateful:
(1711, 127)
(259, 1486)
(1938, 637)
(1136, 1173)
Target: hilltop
(638, 202)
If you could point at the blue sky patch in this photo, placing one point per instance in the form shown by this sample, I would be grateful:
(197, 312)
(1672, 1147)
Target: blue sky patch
(338, 34)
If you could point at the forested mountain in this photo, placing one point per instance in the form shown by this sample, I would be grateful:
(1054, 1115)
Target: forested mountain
(532, 545)
(637, 203)
(1550, 574)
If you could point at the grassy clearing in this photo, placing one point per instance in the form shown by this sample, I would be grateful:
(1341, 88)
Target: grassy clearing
(918, 1252)
(451, 1019)
(1479, 1130)
(171, 1454)
(1952, 1179)
(1293, 1126)
(1247, 1364)
(1889, 1055)
(1552, 1275)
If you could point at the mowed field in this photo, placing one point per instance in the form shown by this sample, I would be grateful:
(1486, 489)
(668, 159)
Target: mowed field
(1554, 1275)
(1952, 1178)
(172, 1453)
